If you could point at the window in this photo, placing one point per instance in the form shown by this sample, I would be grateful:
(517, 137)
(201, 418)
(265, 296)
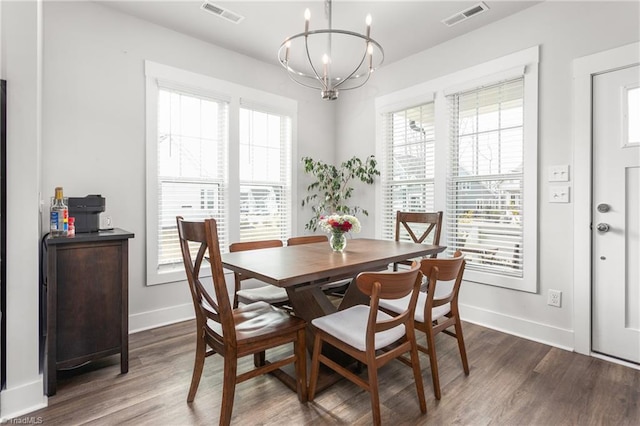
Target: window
(469, 149)
(407, 164)
(265, 192)
(214, 149)
(631, 125)
(485, 188)
(192, 133)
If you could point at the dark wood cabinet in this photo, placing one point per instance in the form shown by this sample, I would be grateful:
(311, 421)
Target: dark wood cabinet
(87, 290)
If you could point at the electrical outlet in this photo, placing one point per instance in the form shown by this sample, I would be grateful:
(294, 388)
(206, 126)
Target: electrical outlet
(554, 298)
(106, 223)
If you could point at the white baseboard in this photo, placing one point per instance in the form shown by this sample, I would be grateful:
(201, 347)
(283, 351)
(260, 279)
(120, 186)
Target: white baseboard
(159, 317)
(530, 330)
(18, 401)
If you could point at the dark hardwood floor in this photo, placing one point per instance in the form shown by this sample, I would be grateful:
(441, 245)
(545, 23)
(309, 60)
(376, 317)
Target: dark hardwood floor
(513, 381)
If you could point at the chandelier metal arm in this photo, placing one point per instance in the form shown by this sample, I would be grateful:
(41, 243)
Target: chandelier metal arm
(302, 83)
(359, 85)
(306, 46)
(354, 71)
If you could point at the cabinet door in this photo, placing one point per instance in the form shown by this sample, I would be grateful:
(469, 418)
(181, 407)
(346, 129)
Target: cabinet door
(89, 299)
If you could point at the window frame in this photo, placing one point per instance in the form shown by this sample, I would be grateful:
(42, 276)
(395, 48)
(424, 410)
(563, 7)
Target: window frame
(159, 75)
(523, 63)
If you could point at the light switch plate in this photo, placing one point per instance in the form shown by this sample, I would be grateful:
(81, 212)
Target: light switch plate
(559, 194)
(559, 173)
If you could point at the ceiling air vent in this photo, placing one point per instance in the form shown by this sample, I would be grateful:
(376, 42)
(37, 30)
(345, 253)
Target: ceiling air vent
(222, 12)
(465, 14)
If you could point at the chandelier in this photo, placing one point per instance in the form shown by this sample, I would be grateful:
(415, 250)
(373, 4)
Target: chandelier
(330, 60)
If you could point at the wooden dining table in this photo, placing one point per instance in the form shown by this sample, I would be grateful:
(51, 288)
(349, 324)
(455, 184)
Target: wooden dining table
(303, 269)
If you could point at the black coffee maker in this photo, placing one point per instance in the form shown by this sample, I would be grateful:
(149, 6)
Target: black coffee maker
(86, 211)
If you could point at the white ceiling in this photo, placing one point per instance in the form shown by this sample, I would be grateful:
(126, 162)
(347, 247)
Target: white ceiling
(403, 28)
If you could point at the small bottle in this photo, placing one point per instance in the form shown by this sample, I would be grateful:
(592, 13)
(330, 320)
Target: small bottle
(72, 227)
(59, 215)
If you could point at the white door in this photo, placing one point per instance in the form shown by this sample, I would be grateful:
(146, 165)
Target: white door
(616, 214)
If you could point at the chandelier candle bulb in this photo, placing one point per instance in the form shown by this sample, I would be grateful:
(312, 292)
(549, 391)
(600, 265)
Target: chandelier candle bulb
(325, 63)
(368, 22)
(307, 18)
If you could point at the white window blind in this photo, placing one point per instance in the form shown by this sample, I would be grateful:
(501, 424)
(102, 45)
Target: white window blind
(265, 188)
(485, 213)
(192, 137)
(407, 174)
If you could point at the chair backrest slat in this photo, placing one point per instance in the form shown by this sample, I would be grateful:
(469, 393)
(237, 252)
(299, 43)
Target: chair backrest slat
(389, 285)
(438, 270)
(307, 239)
(433, 220)
(396, 285)
(254, 245)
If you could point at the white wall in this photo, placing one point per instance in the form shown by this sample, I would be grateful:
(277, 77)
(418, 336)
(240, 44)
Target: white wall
(20, 34)
(563, 35)
(94, 122)
(93, 141)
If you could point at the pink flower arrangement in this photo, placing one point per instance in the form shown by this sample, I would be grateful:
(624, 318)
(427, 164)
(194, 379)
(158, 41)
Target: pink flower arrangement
(340, 223)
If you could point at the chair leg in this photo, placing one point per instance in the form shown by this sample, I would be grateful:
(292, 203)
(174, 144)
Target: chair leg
(417, 373)
(259, 359)
(299, 347)
(315, 366)
(373, 390)
(431, 347)
(228, 388)
(463, 351)
(198, 365)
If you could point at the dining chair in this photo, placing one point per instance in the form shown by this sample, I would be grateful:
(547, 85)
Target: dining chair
(437, 309)
(371, 336)
(334, 288)
(413, 224)
(249, 290)
(234, 332)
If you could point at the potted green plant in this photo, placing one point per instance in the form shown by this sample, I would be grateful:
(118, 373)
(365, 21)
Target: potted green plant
(331, 189)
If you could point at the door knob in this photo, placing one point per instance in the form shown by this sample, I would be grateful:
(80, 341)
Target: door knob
(603, 227)
(603, 208)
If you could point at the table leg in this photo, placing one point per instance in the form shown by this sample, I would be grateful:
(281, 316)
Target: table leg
(310, 303)
(353, 297)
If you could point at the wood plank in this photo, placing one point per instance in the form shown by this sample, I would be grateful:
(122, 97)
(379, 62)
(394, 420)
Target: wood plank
(512, 381)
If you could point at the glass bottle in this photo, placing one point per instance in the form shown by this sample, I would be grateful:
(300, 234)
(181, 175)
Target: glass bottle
(59, 215)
